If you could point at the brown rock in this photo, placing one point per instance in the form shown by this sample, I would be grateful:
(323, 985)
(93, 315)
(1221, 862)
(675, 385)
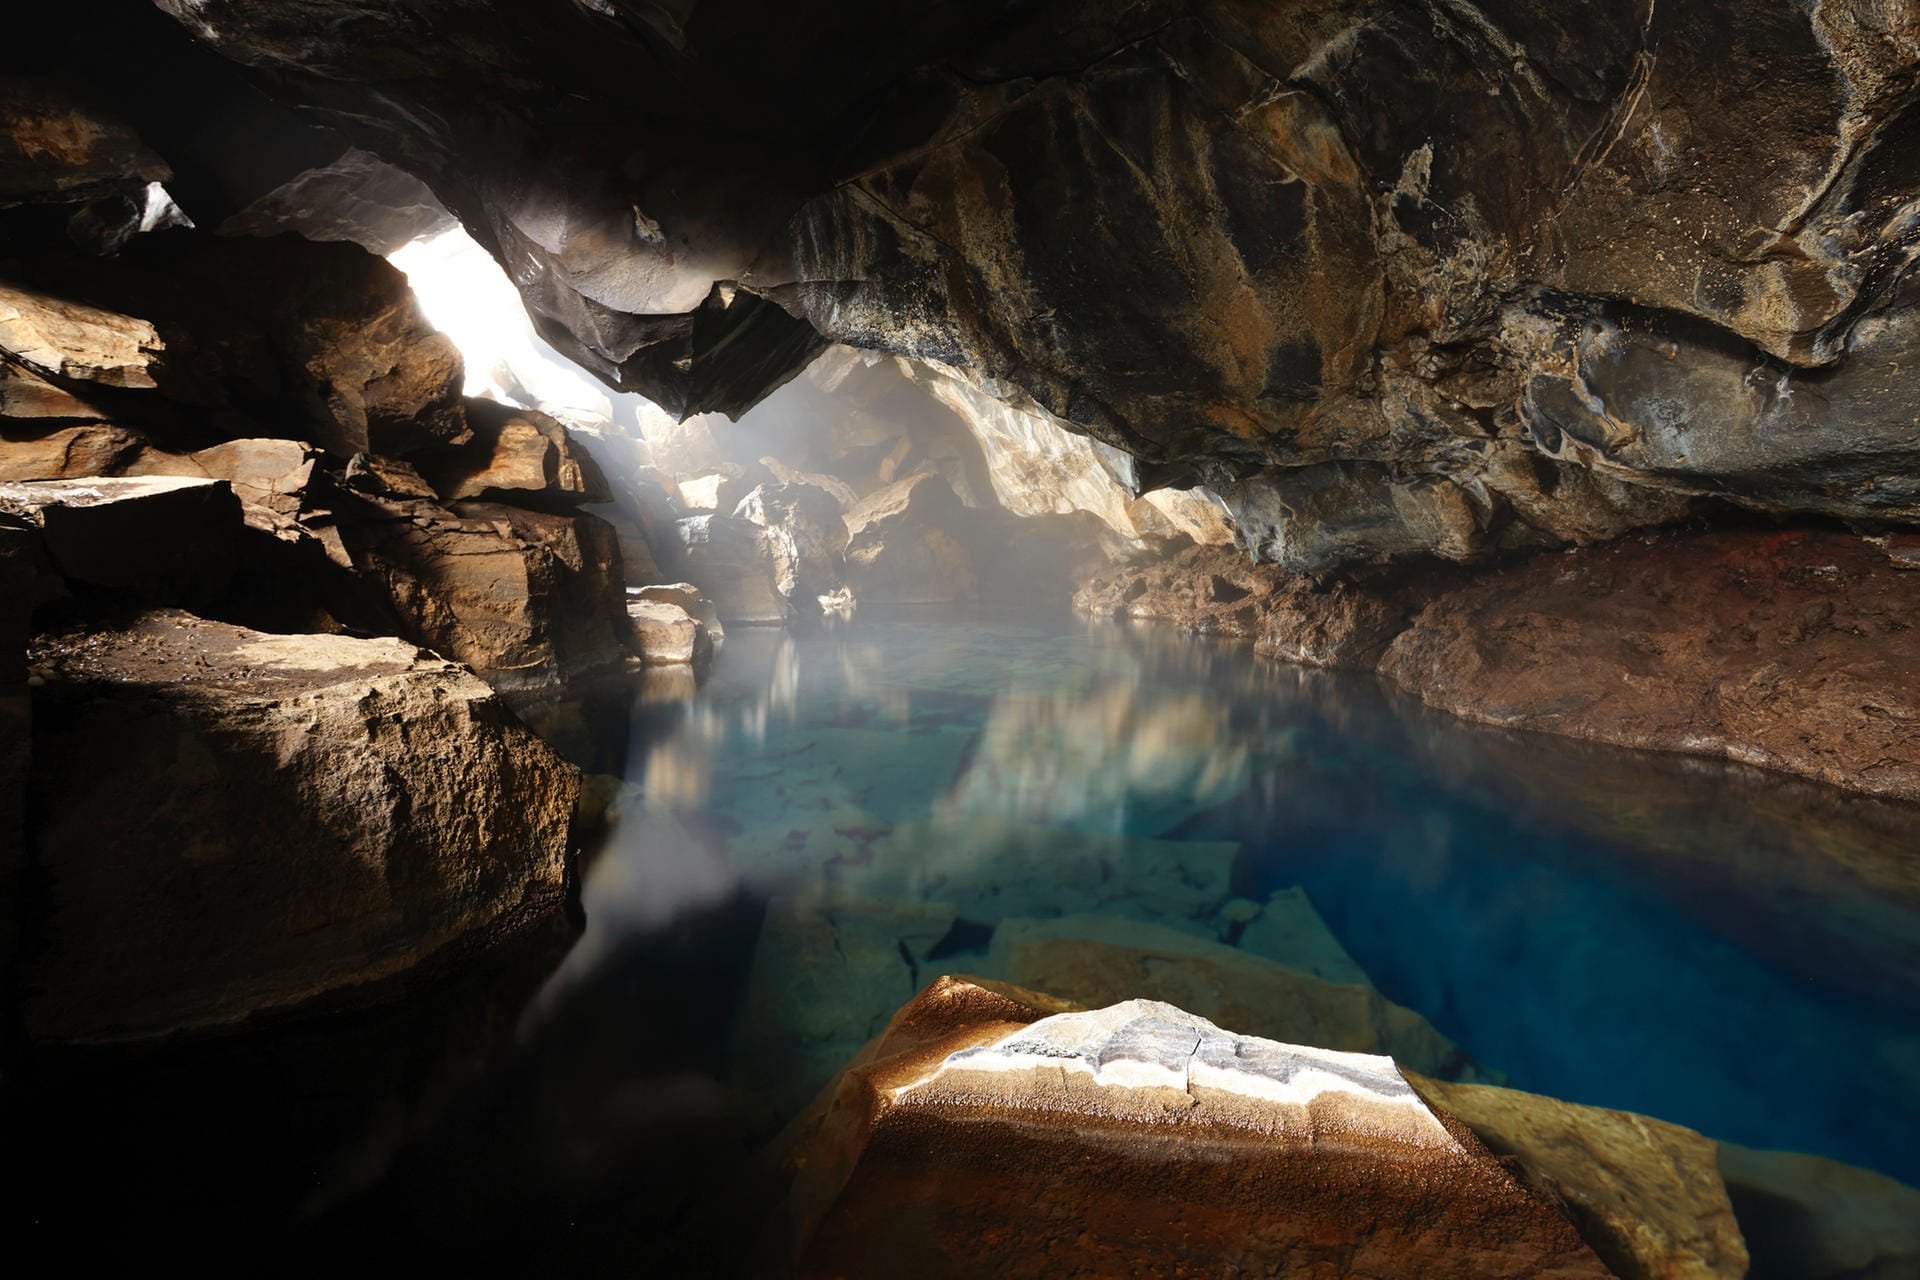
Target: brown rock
(26, 395)
(170, 540)
(68, 453)
(807, 535)
(1096, 960)
(1645, 1194)
(987, 1135)
(732, 564)
(56, 147)
(266, 473)
(530, 600)
(665, 635)
(391, 477)
(289, 817)
(62, 339)
(908, 545)
(1807, 1218)
(1792, 650)
(518, 454)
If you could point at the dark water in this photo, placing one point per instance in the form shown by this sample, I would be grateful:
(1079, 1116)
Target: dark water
(797, 846)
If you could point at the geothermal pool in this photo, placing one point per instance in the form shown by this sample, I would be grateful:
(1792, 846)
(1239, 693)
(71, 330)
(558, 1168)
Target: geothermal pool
(1727, 949)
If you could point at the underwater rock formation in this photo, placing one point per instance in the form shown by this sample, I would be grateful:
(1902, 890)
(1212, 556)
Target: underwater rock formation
(287, 818)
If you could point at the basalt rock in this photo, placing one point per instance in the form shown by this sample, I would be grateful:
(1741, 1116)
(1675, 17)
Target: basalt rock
(289, 819)
(666, 635)
(1393, 281)
(909, 545)
(531, 600)
(731, 563)
(1791, 650)
(161, 539)
(518, 455)
(807, 535)
(987, 1134)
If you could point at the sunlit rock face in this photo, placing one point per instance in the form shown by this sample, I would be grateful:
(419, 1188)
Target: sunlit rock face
(1392, 280)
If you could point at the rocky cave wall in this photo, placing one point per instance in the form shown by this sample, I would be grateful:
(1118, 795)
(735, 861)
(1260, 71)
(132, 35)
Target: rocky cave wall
(1393, 279)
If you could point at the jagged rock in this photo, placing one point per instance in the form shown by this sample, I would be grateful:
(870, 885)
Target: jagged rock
(57, 338)
(518, 455)
(55, 147)
(907, 545)
(807, 535)
(531, 600)
(1806, 1218)
(390, 477)
(356, 196)
(290, 818)
(66, 453)
(268, 473)
(1792, 650)
(1096, 959)
(1645, 1194)
(167, 540)
(731, 563)
(986, 1134)
(666, 635)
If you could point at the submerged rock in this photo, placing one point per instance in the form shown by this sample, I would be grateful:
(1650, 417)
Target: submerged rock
(1806, 1218)
(986, 1133)
(288, 818)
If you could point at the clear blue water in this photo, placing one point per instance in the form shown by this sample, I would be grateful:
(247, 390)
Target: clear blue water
(1730, 950)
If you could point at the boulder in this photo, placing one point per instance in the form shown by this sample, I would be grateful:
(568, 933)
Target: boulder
(530, 600)
(1791, 649)
(1645, 1194)
(517, 455)
(1806, 1218)
(390, 477)
(719, 491)
(732, 564)
(58, 338)
(26, 396)
(807, 536)
(165, 539)
(686, 596)
(290, 817)
(987, 1134)
(1098, 959)
(268, 473)
(666, 635)
(66, 453)
(907, 545)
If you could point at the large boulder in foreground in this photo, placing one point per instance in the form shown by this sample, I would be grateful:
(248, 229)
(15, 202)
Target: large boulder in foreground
(283, 818)
(988, 1134)
(1792, 650)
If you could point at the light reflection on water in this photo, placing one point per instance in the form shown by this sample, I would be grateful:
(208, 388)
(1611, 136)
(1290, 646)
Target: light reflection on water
(1730, 950)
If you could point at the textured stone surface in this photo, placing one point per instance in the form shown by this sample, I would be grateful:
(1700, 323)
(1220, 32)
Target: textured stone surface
(529, 599)
(167, 540)
(909, 545)
(518, 454)
(985, 1134)
(1806, 1218)
(807, 536)
(289, 816)
(1646, 1195)
(1792, 650)
(666, 635)
(731, 563)
(1390, 279)
(57, 147)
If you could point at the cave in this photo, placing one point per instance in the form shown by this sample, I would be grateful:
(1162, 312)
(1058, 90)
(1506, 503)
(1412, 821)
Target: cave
(1033, 638)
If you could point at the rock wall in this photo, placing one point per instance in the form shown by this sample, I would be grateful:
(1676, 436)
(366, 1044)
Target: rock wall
(1393, 280)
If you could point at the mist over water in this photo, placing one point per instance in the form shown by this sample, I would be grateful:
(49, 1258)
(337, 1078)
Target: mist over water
(1725, 949)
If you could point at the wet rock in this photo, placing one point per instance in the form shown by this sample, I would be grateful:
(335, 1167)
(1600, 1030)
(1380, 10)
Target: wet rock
(986, 1134)
(167, 540)
(908, 545)
(1791, 650)
(518, 455)
(1813, 1219)
(684, 596)
(294, 817)
(531, 600)
(1288, 931)
(807, 536)
(665, 635)
(732, 564)
(1645, 1194)
(1097, 959)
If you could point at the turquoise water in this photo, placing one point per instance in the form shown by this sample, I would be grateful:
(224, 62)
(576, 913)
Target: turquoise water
(849, 812)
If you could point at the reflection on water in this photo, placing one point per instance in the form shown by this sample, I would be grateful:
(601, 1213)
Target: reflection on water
(1730, 950)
